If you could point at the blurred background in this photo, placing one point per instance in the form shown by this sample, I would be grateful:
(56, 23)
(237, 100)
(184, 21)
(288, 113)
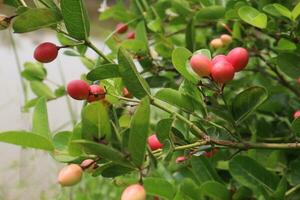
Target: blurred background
(30, 174)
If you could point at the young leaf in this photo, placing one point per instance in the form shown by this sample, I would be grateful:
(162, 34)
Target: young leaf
(26, 139)
(76, 19)
(253, 17)
(214, 190)
(103, 72)
(61, 140)
(134, 82)
(165, 189)
(34, 71)
(296, 11)
(251, 174)
(284, 11)
(139, 132)
(180, 58)
(40, 119)
(247, 101)
(35, 18)
(40, 89)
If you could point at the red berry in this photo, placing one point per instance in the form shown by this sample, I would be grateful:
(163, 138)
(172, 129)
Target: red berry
(96, 93)
(70, 175)
(154, 143)
(121, 28)
(134, 192)
(78, 89)
(130, 35)
(126, 93)
(46, 52)
(297, 114)
(209, 154)
(222, 72)
(238, 57)
(201, 65)
(218, 58)
(180, 159)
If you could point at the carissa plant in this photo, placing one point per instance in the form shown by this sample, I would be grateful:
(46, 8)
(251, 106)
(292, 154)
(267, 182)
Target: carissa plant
(195, 100)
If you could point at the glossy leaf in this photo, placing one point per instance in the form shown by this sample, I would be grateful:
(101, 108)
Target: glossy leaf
(76, 19)
(165, 189)
(214, 190)
(41, 89)
(252, 16)
(284, 11)
(61, 140)
(296, 11)
(103, 72)
(210, 13)
(163, 129)
(40, 123)
(139, 132)
(203, 169)
(247, 101)
(288, 64)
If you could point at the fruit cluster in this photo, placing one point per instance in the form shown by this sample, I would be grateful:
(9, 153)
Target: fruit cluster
(122, 28)
(221, 68)
(222, 41)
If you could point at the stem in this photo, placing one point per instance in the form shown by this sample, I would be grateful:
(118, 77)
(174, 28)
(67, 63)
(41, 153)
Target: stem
(292, 190)
(92, 46)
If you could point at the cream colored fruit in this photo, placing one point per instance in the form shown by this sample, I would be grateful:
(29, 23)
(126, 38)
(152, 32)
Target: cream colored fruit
(134, 192)
(216, 43)
(226, 39)
(70, 175)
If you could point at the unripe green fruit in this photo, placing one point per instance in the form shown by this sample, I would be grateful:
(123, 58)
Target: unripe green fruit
(134, 192)
(201, 65)
(216, 43)
(70, 175)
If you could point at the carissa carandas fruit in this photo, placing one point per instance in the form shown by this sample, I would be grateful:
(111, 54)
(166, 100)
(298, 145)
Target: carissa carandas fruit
(97, 93)
(130, 35)
(216, 43)
(70, 175)
(154, 143)
(218, 58)
(78, 89)
(297, 114)
(134, 192)
(121, 28)
(222, 72)
(238, 57)
(46, 52)
(201, 65)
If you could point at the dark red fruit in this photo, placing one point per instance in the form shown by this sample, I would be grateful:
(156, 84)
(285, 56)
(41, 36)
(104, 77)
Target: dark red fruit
(78, 89)
(222, 72)
(211, 153)
(126, 93)
(238, 57)
(46, 52)
(130, 35)
(201, 65)
(218, 58)
(154, 143)
(96, 93)
(121, 28)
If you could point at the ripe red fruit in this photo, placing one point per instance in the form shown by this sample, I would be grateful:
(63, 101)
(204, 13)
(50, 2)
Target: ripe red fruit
(126, 93)
(238, 57)
(180, 159)
(216, 43)
(154, 143)
(121, 28)
(218, 58)
(297, 114)
(226, 39)
(130, 35)
(78, 89)
(134, 192)
(222, 72)
(70, 175)
(201, 65)
(46, 52)
(209, 154)
(96, 93)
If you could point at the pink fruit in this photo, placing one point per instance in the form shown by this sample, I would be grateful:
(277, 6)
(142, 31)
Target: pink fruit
(222, 72)
(70, 175)
(216, 43)
(96, 93)
(297, 114)
(226, 39)
(180, 159)
(126, 93)
(154, 143)
(130, 35)
(46, 52)
(121, 28)
(134, 192)
(218, 58)
(201, 65)
(78, 89)
(88, 164)
(238, 57)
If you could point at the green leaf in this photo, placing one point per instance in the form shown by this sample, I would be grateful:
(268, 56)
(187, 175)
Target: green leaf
(96, 122)
(34, 71)
(190, 36)
(251, 174)
(61, 140)
(104, 151)
(174, 98)
(214, 190)
(296, 126)
(189, 188)
(35, 18)
(76, 19)
(288, 64)
(284, 11)
(131, 77)
(296, 11)
(163, 129)
(139, 132)
(159, 187)
(253, 17)
(103, 72)
(40, 124)
(203, 170)
(204, 52)
(26, 139)
(40, 89)
(210, 13)
(180, 57)
(293, 173)
(285, 45)
(14, 3)
(112, 170)
(247, 101)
